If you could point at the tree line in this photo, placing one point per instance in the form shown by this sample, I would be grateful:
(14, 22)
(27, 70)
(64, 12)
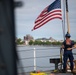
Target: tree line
(43, 43)
(38, 42)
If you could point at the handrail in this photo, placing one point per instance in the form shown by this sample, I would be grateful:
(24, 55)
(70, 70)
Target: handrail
(38, 57)
(38, 49)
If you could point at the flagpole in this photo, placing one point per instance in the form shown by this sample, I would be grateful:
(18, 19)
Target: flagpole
(67, 17)
(63, 19)
(63, 28)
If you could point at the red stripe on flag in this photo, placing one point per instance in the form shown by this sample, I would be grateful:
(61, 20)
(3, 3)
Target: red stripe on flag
(49, 17)
(41, 20)
(43, 16)
(35, 27)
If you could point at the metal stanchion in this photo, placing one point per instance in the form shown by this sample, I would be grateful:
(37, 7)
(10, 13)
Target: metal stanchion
(34, 59)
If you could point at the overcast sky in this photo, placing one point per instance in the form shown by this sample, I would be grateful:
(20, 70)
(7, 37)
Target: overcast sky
(25, 17)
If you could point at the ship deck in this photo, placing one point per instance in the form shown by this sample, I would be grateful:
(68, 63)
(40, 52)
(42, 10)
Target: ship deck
(50, 73)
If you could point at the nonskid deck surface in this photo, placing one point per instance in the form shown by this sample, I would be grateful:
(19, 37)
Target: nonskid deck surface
(62, 74)
(51, 73)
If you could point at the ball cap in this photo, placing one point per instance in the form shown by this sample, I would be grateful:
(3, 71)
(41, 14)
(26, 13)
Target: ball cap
(67, 35)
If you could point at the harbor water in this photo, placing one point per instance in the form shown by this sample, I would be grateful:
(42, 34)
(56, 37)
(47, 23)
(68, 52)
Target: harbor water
(43, 56)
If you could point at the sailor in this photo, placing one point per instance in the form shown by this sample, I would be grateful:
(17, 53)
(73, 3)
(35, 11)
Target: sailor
(68, 45)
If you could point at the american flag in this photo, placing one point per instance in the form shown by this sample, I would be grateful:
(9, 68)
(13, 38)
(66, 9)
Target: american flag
(50, 12)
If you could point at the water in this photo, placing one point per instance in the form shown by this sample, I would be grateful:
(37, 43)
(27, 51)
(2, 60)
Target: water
(43, 54)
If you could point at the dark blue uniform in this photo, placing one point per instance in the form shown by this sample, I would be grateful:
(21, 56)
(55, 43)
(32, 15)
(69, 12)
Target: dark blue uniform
(68, 54)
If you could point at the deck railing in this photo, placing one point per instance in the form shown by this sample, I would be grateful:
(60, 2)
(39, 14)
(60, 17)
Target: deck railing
(35, 57)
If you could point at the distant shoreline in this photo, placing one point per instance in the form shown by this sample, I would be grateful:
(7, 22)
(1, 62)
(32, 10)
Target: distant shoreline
(39, 45)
